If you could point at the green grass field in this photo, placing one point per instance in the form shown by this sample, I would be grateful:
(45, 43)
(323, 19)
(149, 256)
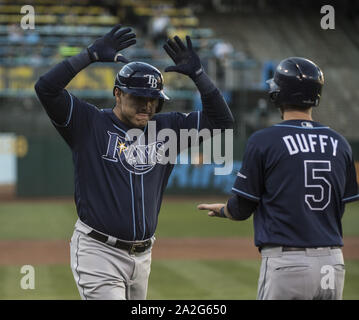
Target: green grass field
(172, 279)
(51, 220)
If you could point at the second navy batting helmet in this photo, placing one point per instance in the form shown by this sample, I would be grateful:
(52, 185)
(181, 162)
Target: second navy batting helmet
(296, 82)
(141, 79)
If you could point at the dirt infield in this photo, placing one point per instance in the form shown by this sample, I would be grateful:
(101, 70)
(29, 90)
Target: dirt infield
(57, 252)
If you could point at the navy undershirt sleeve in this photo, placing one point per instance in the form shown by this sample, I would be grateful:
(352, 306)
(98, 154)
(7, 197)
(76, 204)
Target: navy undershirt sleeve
(241, 208)
(50, 88)
(215, 111)
(72, 117)
(249, 182)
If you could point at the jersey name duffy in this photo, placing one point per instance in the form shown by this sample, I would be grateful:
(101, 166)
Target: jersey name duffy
(310, 143)
(301, 176)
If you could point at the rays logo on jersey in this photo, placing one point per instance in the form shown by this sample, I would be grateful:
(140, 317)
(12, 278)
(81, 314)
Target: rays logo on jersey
(135, 157)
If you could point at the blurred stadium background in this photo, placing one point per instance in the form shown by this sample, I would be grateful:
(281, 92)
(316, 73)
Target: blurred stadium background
(240, 43)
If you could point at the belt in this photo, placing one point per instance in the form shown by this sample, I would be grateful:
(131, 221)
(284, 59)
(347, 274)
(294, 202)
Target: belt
(284, 248)
(134, 247)
(303, 249)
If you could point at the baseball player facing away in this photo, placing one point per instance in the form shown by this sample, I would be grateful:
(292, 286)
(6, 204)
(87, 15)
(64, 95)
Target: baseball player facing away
(296, 177)
(118, 198)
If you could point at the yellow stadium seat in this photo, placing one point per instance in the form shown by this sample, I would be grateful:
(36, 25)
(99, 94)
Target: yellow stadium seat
(181, 32)
(95, 10)
(178, 12)
(14, 18)
(10, 9)
(59, 9)
(46, 19)
(7, 18)
(144, 11)
(107, 20)
(187, 22)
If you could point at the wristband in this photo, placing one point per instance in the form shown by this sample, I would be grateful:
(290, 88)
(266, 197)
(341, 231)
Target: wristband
(221, 213)
(203, 83)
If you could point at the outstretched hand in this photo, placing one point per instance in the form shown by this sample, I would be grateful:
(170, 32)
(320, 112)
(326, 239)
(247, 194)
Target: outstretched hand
(186, 59)
(106, 48)
(214, 209)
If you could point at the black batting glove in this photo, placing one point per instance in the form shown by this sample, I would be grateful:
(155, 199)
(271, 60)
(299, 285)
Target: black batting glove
(186, 60)
(106, 48)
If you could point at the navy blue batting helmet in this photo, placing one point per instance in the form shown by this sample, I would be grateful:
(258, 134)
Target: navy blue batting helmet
(296, 82)
(141, 79)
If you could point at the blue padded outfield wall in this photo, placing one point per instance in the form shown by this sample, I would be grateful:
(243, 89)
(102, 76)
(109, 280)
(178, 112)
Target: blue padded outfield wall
(47, 170)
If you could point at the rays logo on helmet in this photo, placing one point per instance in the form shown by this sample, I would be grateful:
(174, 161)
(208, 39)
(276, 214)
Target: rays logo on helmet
(151, 80)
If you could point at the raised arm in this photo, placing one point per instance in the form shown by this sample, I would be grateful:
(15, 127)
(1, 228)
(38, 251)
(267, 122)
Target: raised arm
(50, 88)
(216, 113)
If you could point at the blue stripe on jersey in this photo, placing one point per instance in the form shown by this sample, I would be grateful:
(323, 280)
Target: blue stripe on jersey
(198, 120)
(133, 209)
(123, 131)
(71, 108)
(70, 113)
(351, 198)
(246, 194)
(298, 127)
(143, 209)
(197, 126)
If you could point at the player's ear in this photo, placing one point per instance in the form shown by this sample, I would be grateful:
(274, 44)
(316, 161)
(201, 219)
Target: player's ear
(281, 111)
(118, 96)
(118, 93)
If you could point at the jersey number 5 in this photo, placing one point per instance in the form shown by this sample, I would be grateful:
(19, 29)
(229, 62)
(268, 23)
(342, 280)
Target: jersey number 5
(318, 188)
